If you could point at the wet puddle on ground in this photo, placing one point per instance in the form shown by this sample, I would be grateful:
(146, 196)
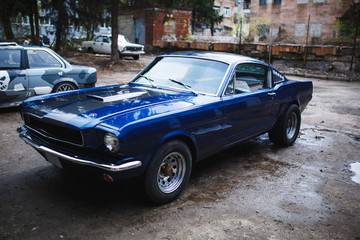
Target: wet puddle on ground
(355, 168)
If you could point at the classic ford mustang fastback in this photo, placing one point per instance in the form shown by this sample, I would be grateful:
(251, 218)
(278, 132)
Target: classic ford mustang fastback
(182, 108)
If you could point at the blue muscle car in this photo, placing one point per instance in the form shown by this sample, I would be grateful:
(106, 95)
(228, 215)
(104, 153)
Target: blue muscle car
(27, 71)
(182, 108)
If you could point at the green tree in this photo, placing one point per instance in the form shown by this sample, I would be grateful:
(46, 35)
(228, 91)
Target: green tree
(350, 22)
(89, 14)
(203, 12)
(30, 8)
(8, 10)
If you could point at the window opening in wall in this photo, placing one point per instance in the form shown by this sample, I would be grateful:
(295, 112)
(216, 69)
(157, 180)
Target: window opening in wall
(263, 2)
(227, 11)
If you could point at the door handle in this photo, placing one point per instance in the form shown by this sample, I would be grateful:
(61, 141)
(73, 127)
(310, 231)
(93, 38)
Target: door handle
(22, 75)
(272, 94)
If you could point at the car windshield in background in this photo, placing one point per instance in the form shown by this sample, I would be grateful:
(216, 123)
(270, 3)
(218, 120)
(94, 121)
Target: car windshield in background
(121, 39)
(204, 76)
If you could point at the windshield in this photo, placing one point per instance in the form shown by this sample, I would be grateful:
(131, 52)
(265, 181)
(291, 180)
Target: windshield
(200, 75)
(122, 39)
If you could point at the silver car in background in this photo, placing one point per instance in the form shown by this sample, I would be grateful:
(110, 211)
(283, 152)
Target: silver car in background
(27, 71)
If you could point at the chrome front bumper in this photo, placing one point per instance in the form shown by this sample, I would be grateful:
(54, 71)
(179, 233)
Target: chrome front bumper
(126, 52)
(109, 167)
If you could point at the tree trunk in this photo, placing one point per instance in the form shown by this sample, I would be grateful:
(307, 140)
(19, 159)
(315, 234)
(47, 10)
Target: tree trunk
(114, 30)
(61, 24)
(193, 22)
(5, 16)
(32, 32)
(357, 25)
(37, 28)
(212, 28)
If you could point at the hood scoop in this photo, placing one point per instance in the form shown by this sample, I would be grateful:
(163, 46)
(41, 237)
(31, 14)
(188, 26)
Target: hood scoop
(117, 96)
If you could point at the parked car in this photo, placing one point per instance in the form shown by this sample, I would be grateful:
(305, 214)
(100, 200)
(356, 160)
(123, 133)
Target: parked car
(27, 71)
(102, 44)
(180, 109)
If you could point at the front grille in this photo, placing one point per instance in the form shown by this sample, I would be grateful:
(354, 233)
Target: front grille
(133, 48)
(53, 131)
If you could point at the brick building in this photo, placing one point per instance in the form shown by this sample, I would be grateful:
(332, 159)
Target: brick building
(288, 19)
(225, 8)
(149, 25)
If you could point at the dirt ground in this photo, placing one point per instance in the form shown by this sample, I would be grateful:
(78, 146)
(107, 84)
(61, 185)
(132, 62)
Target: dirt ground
(252, 191)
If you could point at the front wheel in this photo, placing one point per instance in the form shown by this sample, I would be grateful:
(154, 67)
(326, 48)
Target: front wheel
(168, 172)
(90, 50)
(287, 130)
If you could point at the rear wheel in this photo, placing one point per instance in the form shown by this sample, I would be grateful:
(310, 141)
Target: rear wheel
(287, 130)
(168, 172)
(62, 87)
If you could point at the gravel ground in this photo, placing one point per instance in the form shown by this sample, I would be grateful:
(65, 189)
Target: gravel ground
(252, 191)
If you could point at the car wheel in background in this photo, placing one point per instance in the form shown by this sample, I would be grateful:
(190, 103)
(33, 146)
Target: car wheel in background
(287, 130)
(90, 50)
(136, 57)
(168, 172)
(62, 87)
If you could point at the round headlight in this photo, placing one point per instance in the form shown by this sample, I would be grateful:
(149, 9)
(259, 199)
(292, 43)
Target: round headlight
(111, 142)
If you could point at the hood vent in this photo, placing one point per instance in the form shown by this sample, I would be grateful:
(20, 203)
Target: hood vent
(118, 96)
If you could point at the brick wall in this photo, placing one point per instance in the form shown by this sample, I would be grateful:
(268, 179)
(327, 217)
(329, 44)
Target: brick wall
(154, 23)
(318, 57)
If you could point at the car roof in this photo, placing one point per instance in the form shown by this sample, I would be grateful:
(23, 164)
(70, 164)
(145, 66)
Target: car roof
(17, 46)
(8, 44)
(33, 47)
(217, 56)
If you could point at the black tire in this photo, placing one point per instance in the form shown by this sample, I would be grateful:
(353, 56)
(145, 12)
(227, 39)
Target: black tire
(64, 86)
(120, 56)
(136, 57)
(168, 172)
(286, 131)
(90, 50)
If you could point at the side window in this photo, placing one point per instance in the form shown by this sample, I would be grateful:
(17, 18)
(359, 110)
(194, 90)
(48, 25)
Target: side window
(105, 39)
(248, 78)
(9, 59)
(278, 77)
(99, 39)
(42, 59)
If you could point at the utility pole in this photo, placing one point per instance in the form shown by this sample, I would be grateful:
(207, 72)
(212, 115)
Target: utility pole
(307, 39)
(240, 19)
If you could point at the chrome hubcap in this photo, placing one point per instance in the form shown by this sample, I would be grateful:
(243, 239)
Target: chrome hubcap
(171, 172)
(65, 87)
(291, 125)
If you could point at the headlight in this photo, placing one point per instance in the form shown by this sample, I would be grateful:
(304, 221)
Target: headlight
(124, 48)
(111, 142)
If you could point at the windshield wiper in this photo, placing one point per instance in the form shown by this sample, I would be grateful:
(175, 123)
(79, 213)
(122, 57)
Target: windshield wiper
(149, 80)
(188, 87)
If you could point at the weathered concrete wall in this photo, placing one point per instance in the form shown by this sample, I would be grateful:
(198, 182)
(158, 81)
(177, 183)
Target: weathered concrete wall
(126, 26)
(335, 58)
(322, 15)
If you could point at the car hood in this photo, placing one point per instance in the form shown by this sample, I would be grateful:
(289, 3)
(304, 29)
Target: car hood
(129, 44)
(122, 104)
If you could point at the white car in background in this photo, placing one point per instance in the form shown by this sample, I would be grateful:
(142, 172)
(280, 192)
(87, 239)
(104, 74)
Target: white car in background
(102, 44)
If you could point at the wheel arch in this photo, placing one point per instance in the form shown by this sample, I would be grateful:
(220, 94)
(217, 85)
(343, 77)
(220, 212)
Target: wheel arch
(181, 136)
(64, 80)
